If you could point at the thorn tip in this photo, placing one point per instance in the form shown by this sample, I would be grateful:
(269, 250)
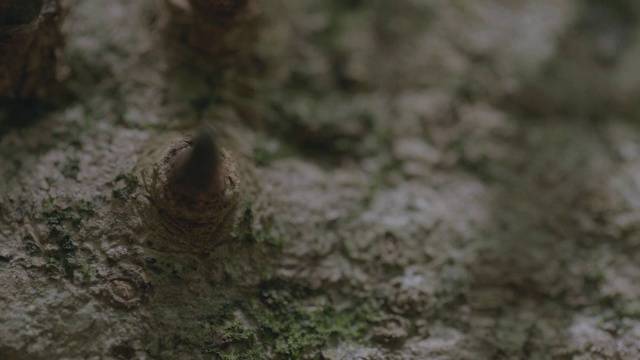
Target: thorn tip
(199, 169)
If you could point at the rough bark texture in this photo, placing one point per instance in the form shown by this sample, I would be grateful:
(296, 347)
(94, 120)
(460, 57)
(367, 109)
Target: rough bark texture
(418, 180)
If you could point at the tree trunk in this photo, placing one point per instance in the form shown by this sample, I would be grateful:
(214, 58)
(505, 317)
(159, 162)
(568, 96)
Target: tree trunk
(325, 180)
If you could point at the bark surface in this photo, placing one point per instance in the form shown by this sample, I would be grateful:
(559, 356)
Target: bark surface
(417, 180)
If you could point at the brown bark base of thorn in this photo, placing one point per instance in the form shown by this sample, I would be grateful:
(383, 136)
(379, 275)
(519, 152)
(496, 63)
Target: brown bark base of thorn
(213, 32)
(194, 223)
(29, 54)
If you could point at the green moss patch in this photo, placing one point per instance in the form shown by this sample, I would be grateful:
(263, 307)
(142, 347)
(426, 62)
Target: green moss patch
(63, 224)
(296, 325)
(125, 185)
(287, 322)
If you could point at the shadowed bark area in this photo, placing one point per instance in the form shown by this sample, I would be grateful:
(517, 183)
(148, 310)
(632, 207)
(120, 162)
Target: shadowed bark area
(19, 12)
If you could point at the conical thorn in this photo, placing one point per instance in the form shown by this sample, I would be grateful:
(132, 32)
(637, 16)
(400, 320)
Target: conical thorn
(198, 169)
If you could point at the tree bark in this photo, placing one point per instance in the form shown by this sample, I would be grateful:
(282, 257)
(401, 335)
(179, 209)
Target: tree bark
(386, 180)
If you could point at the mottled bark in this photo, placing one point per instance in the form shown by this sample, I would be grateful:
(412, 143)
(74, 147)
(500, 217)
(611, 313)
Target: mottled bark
(386, 180)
